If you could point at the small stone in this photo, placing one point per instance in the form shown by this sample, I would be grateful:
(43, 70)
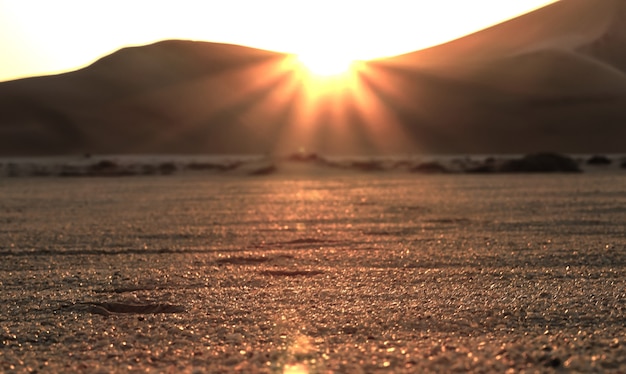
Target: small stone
(235, 338)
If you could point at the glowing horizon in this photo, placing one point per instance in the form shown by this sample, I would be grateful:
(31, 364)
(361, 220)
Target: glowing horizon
(52, 37)
(326, 66)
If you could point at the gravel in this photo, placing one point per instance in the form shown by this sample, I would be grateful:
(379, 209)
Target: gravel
(358, 273)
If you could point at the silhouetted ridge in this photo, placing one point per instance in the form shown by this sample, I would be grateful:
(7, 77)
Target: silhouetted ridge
(174, 61)
(185, 55)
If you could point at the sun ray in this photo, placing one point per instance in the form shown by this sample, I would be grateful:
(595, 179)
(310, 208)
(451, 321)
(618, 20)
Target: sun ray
(326, 65)
(287, 108)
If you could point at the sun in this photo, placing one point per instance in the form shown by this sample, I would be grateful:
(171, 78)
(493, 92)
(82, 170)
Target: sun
(326, 65)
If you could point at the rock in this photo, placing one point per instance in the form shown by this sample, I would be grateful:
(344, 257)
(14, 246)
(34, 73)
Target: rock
(104, 165)
(371, 165)
(430, 168)
(167, 168)
(266, 170)
(599, 160)
(303, 157)
(540, 163)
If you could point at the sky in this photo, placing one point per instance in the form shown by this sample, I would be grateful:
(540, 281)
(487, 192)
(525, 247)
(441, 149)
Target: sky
(40, 37)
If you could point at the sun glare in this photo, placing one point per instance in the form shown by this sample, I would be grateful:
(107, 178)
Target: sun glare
(326, 66)
(322, 76)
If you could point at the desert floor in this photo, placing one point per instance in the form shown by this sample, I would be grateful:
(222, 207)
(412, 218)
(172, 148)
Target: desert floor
(349, 273)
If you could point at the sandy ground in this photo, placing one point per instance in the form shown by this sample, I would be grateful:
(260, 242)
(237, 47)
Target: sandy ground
(370, 273)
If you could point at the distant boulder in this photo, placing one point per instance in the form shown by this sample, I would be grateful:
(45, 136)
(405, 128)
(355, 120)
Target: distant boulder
(599, 160)
(201, 166)
(208, 166)
(148, 169)
(371, 165)
(167, 168)
(488, 166)
(402, 164)
(303, 157)
(265, 170)
(541, 163)
(104, 166)
(107, 168)
(430, 168)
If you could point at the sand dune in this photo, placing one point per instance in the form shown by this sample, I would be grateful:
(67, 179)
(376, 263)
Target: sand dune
(566, 25)
(554, 79)
(569, 48)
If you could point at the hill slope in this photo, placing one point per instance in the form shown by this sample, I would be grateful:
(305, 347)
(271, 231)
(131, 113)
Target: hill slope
(552, 79)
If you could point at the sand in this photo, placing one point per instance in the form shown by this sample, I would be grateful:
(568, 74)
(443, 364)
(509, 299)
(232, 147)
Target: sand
(356, 273)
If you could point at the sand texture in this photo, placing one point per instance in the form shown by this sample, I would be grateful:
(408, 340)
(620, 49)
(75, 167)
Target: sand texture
(356, 273)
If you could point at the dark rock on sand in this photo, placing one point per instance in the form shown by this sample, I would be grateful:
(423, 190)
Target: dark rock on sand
(481, 169)
(371, 165)
(599, 160)
(206, 166)
(199, 166)
(541, 163)
(430, 168)
(167, 168)
(104, 165)
(490, 165)
(266, 170)
(304, 157)
(148, 169)
(107, 168)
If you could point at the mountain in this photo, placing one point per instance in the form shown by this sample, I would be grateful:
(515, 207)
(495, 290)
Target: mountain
(553, 79)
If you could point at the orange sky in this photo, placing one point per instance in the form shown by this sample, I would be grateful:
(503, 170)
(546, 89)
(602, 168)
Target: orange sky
(42, 37)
